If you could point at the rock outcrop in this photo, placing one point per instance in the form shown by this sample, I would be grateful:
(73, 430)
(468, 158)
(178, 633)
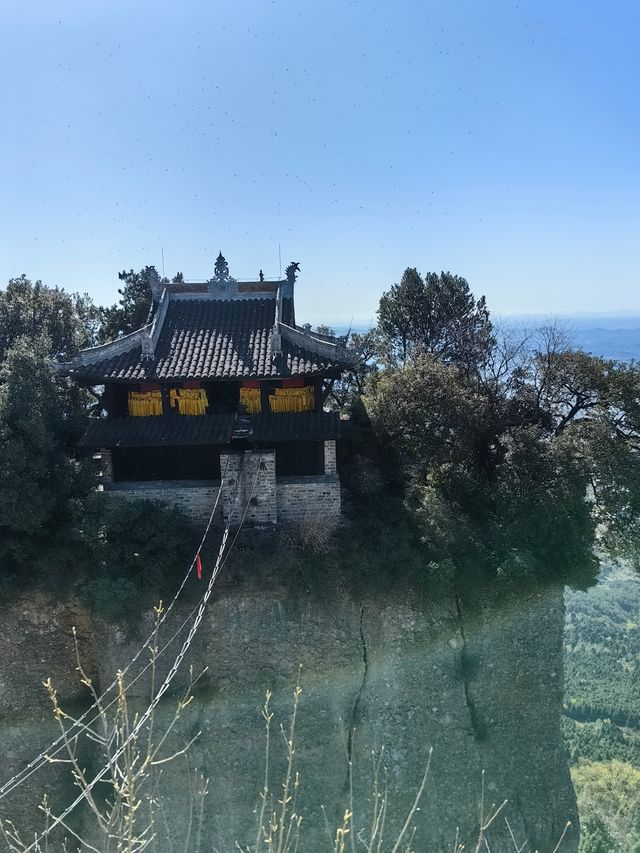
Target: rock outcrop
(399, 670)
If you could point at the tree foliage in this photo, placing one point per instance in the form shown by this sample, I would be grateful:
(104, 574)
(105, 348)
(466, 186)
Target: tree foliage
(609, 803)
(132, 310)
(133, 552)
(33, 310)
(342, 392)
(602, 651)
(52, 522)
(40, 474)
(438, 316)
(491, 431)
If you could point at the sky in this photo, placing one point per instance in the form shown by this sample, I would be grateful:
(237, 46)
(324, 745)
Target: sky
(498, 140)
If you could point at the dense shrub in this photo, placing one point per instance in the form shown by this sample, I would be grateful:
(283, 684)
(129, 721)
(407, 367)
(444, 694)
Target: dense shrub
(140, 551)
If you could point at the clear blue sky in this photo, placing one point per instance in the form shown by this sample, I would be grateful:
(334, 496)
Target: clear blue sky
(499, 140)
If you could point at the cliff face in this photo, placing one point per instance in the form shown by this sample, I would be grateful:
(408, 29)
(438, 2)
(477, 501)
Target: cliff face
(399, 670)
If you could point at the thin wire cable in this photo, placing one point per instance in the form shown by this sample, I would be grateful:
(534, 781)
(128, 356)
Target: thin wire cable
(165, 685)
(60, 741)
(42, 759)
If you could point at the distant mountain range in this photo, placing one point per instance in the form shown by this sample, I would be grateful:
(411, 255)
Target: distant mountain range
(607, 335)
(614, 335)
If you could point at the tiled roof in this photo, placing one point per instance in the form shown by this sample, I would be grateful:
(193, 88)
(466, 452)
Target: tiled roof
(298, 426)
(210, 339)
(158, 431)
(168, 431)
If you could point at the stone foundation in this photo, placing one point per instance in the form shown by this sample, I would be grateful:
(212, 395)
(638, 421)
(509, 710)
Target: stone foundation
(249, 490)
(303, 498)
(195, 498)
(251, 493)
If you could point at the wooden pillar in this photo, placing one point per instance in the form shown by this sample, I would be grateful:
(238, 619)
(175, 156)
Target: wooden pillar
(317, 393)
(166, 405)
(264, 397)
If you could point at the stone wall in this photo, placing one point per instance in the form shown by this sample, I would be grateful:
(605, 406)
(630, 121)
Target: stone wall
(249, 489)
(195, 498)
(106, 467)
(301, 498)
(251, 493)
(330, 462)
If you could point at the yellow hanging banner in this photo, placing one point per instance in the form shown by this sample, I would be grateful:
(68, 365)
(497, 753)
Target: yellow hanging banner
(292, 399)
(250, 399)
(189, 401)
(144, 404)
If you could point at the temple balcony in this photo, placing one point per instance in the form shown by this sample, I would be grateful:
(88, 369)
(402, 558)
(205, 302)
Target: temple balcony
(252, 491)
(215, 429)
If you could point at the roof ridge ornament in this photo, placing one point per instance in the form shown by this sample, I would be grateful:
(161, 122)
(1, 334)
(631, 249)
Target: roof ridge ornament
(221, 271)
(292, 270)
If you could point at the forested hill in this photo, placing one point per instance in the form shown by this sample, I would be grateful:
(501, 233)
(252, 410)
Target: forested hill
(601, 724)
(602, 656)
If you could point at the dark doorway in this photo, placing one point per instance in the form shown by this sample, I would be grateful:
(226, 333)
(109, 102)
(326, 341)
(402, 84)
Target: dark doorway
(299, 458)
(224, 397)
(166, 463)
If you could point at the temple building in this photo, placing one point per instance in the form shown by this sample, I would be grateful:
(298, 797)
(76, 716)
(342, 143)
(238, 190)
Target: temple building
(219, 385)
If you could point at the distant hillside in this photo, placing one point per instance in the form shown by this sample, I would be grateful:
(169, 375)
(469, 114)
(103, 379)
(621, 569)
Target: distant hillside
(614, 336)
(609, 336)
(602, 655)
(621, 344)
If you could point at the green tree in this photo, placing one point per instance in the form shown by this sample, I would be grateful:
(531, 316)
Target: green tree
(41, 419)
(591, 407)
(133, 551)
(344, 391)
(28, 309)
(532, 435)
(132, 310)
(436, 315)
(609, 804)
(429, 414)
(490, 431)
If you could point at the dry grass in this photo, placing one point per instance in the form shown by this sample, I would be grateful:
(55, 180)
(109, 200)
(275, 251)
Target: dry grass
(313, 533)
(132, 817)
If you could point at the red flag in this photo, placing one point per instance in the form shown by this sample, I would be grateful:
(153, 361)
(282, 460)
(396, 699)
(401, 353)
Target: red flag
(199, 566)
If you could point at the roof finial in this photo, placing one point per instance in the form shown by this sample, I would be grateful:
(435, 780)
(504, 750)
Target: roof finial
(221, 270)
(291, 271)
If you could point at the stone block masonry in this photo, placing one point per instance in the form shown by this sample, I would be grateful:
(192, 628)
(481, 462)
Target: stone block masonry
(251, 493)
(330, 465)
(249, 487)
(106, 467)
(305, 498)
(195, 500)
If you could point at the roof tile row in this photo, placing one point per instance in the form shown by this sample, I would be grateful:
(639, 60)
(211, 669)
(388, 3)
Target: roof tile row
(172, 430)
(211, 339)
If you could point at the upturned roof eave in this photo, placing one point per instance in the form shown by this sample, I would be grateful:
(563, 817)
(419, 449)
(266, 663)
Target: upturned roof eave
(103, 352)
(100, 379)
(96, 365)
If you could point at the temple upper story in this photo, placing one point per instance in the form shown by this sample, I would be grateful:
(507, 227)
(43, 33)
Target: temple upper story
(216, 330)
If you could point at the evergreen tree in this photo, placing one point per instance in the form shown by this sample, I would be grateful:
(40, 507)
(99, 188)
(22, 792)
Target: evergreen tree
(29, 309)
(435, 315)
(134, 305)
(490, 434)
(41, 420)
